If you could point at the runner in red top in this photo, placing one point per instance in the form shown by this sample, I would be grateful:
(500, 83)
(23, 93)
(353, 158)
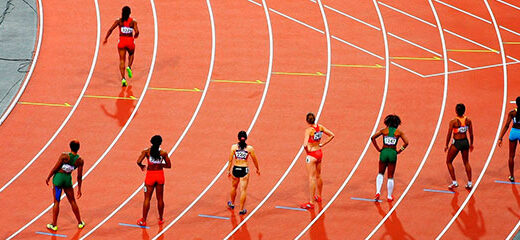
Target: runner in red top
(127, 32)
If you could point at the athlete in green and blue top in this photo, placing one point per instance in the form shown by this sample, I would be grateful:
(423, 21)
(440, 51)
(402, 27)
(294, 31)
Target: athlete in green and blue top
(388, 154)
(62, 180)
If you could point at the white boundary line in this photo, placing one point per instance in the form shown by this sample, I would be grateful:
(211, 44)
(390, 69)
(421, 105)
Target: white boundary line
(472, 69)
(33, 65)
(374, 129)
(504, 102)
(266, 88)
(89, 77)
(437, 128)
(152, 65)
(508, 4)
(318, 114)
(512, 234)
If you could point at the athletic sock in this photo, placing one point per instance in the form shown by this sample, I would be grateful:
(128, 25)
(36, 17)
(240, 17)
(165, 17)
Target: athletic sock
(454, 182)
(379, 182)
(390, 186)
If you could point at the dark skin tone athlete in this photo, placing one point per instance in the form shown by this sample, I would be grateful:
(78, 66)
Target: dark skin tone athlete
(453, 151)
(122, 51)
(391, 166)
(512, 144)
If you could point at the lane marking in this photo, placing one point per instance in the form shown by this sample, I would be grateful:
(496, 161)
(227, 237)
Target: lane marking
(111, 97)
(176, 89)
(46, 104)
(434, 58)
(507, 182)
(291, 208)
(473, 50)
(512, 43)
(366, 199)
(358, 66)
(132, 225)
(238, 81)
(508, 4)
(514, 101)
(51, 234)
(300, 73)
(438, 191)
(471, 69)
(33, 65)
(211, 216)
(515, 229)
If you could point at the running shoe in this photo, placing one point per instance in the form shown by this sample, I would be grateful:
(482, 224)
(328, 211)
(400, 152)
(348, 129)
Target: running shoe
(511, 179)
(81, 225)
(123, 82)
(377, 196)
(453, 185)
(390, 198)
(230, 205)
(243, 212)
(52, 227)
(469, 186)
(141, 222)
(307, 205)
(129, 71)
(317, 198)
(161, 221)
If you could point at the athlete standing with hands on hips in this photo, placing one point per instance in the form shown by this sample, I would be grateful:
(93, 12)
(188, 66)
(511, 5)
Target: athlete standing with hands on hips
(312, 145)
(514, 137)
(127, 32)
(388, 154)
(240, 152)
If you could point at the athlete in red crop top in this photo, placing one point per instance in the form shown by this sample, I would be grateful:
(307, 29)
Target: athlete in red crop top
(157, 159)
(312, 145)
(127, 32)
(459, 127)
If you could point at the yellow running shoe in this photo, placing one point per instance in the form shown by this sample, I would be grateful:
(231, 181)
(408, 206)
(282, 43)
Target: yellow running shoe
(123, 82)
(81, 225)
(52, 227)
(129, 71)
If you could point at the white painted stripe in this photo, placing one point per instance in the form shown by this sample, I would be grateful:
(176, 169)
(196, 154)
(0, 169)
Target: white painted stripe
(318, 114)
(349, 16)
(504, 102)
(471, 69)
(123, 129)
(33, 65)
(437, 128)
(462, 11)
(409, 15)
(374, 129)
(407, 69)
(508, 4)
(515, 229)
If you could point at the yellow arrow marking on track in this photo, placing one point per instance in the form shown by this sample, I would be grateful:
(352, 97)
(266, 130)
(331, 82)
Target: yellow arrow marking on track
(473, 50)
(111, 97)
(512, 43)
(358, 66)
(46, 104)
(238, 81)
(435, 58)
(177, 89)
(300, 73)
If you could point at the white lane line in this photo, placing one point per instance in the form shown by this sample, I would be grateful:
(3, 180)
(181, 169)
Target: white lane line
(472, 69)
(515, 229)
(437, 128)
(349, 16)
(188, 126)
(374, 129)
(258, 110)
(508, 4)
(33, 65)
(504, 102)
(318, 114)
(407, 14)
(152, 65)
(78, 101)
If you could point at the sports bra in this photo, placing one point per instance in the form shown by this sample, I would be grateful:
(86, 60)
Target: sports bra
(152, 160)
(70, 166)
(241, 154)
(463, 128)
(390, 139)
(316, 137)
(126, 30)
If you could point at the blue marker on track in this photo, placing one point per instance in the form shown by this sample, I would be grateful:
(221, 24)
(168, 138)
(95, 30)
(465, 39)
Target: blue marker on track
(291, 208)
(438, 191)
(507, 182)
(132, 225)
(366, 199)
(211, 216)
(52, 234)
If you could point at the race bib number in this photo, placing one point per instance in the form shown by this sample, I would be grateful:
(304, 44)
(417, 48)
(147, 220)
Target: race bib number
(463, 129)
(67, 168)
(127, 30)
(156, 161)
(390, 140)
(317, 136)
(241, 155)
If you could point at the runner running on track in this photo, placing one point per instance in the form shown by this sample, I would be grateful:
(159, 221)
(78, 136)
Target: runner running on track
(240, 152)
(312, 145)
(157, 160)
(62, 181)
(514, 137)
(127, 32)
(459, 126)
(388, 154)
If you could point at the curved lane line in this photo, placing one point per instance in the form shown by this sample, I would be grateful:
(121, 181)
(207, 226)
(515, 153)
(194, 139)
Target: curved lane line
(318, 114)
(504, 101)
(376, 124)
(511, 235)
(33, 65)
(437, 128)
(152, 65)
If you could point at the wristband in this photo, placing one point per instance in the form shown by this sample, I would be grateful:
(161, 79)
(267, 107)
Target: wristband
(402, 148)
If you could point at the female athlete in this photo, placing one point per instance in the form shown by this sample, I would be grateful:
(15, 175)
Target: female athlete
(388, 154)
(62, 181)
(459, 126)
(312, 146)
(127, 32)
(240, 152)
(157, 160)
(514, 137)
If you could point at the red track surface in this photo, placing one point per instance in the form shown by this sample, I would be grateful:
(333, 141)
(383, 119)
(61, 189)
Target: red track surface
(354, 98)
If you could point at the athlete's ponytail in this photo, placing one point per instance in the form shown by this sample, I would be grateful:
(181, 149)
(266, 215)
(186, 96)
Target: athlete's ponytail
(242, 137)
(154, 150)
(125, 13)
(311, 118)
(517, 116)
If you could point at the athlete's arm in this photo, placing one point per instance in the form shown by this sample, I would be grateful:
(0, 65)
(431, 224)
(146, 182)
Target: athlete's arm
(448, 137)
(136, 30)
(116, 23)
(470, 130)
(504, 128)
(373, 138)
(405, 141)
(328, 133)
(80, 175)
(230, 161)
(140, 160)
(167, 160)
(305, 139)
(55, 168)
(255, 161)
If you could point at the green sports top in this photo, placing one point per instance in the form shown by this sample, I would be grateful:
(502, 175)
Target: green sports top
(70, 166)
(390, 139)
